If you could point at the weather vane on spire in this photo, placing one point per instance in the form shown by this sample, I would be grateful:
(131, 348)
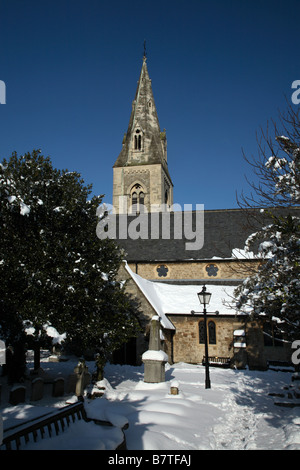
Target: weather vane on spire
(145, 54)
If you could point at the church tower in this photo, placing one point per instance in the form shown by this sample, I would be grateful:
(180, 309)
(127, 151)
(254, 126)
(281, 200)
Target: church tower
(140, 173)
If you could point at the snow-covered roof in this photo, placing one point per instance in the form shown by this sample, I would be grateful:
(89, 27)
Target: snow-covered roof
(181, 299)
(149, 291)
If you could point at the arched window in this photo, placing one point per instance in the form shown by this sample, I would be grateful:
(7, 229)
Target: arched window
(212, 332)
(134, 202)
(166, 196)
(201, 332)
(212, 339)
(137, 196)
(141, 201)
(137, 140)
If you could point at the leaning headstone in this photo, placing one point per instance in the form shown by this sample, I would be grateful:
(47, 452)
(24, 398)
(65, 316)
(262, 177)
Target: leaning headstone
(17, 395)
(154, 359)
(58, 387)
(37, 389)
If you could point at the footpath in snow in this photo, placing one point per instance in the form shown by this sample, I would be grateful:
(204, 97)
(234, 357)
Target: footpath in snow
(237, 413)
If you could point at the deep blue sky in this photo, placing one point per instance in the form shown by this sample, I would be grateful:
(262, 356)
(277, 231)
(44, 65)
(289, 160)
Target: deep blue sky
(220, 69)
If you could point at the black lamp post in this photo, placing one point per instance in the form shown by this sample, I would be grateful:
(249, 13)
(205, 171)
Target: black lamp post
(204, 298)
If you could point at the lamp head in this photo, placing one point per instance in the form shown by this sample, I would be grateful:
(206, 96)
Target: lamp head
(204, 296)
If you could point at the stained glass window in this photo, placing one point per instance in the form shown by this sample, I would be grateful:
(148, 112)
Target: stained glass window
(212, 332)
(212, 270)
(162, 270)
(201, 333)
(212, 339)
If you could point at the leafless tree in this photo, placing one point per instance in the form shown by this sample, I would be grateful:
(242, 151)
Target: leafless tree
(277, 156)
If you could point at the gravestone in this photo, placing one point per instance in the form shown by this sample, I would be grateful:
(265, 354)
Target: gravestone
(37, 389)
(58, 387)
(17, 395)
(154, 359)
(83, 378)
(2, 353)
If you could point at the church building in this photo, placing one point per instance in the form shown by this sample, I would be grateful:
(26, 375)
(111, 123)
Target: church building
(170, 254)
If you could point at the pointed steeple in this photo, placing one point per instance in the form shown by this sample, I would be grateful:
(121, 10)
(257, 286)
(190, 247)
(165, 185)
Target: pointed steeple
(141, 176)
(144, 143)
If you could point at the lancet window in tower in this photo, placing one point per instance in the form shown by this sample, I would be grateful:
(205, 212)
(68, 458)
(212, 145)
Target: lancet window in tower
(166, 196)
(134, 204)
(141, 201)
(137, 140)
(137, 195)
(167, 192)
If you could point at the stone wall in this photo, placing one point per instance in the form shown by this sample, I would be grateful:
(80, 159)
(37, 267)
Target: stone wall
(146, 310)
(210, 270)
(151, 177)
(183, 344)
(258, 353)
(186, 346)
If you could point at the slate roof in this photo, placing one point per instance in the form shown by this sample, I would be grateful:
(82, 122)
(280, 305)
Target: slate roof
(224, 230)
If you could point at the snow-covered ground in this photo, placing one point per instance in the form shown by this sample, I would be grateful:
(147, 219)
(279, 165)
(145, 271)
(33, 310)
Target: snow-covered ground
(236, 413)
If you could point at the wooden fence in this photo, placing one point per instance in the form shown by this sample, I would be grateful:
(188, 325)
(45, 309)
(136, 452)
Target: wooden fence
(54, 422)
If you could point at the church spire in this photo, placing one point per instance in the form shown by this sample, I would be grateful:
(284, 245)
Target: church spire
(144, 151)
(144, 143)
